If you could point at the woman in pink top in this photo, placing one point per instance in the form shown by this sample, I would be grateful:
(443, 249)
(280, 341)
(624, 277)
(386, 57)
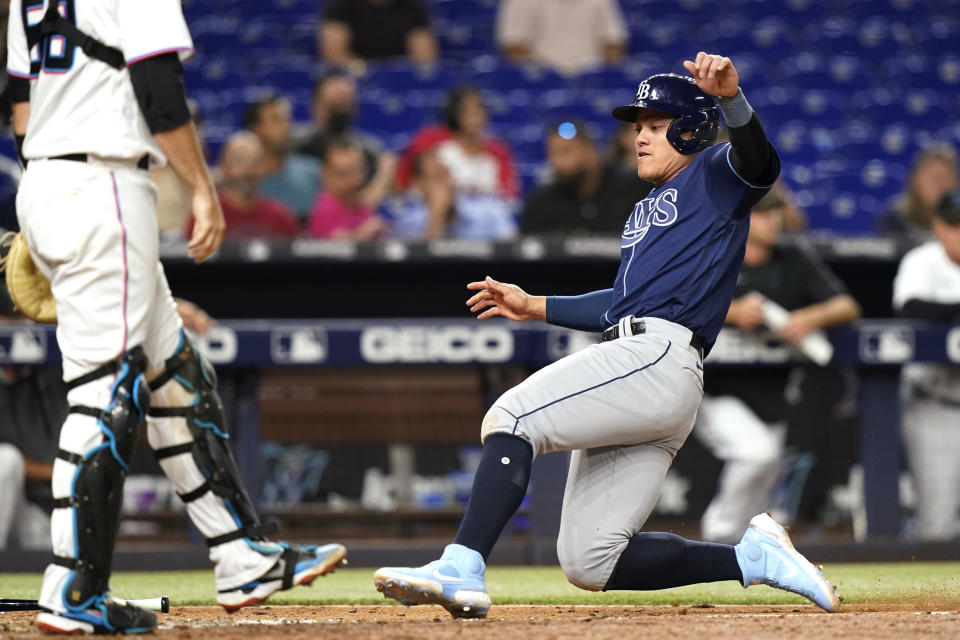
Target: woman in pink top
(345, 209)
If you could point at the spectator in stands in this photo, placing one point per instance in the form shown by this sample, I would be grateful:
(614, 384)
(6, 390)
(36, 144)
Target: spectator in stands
(584, 196)
(345, 210)
(927, 287)
(742, 418)
(247, 212)
(334, 111)
(354, 31)
(934, 173)
(291, 178)
(423, 210)
(621, 151)
(568, 36)
(484, 174)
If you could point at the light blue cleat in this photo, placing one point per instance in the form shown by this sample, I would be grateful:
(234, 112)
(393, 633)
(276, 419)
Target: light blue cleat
(455, 582)
(767, 556)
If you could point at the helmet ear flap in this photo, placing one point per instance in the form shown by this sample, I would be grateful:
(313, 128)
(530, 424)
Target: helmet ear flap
(702, 125)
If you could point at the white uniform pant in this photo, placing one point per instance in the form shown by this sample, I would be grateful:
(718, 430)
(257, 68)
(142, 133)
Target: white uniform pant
(11, 494)
(624, 408)
(931, 436)
(20, 520)
(92, 230)
(752, 451)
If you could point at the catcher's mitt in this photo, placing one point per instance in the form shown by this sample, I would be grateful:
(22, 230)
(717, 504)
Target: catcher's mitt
(29, 289)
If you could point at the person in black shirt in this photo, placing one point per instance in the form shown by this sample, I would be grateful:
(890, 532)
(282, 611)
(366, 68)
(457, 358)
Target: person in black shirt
(742, 419)
(584, 196)
(353, 31)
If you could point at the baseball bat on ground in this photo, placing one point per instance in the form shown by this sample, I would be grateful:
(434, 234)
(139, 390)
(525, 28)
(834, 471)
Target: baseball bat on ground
(161, 604)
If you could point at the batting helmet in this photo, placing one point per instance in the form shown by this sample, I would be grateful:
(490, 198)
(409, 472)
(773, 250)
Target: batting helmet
(697, 111)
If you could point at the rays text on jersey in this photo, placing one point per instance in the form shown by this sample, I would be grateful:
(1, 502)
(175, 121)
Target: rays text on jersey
(659, 210)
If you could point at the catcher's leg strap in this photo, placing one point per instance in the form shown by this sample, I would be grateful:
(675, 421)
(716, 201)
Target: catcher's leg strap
(97, 486)
(209, 447)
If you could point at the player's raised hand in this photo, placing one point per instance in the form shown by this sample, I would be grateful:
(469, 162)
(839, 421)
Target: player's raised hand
(506, 300)
(714, 74)
(208, 225)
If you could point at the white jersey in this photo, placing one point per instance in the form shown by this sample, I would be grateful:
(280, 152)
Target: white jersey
(927, 273)
(83, 105)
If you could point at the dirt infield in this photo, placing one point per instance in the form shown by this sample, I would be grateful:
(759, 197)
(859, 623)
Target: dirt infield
(929, 620)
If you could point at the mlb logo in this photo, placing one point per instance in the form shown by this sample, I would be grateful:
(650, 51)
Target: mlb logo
(300, 345)
(23, 346)
(887, 345)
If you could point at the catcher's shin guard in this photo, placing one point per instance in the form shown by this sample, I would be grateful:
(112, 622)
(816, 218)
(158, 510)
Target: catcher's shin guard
(99, 468)
(190, 442)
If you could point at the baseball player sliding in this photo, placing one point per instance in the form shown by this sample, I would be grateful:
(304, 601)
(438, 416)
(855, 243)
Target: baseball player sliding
(625, 406)
(98, 100)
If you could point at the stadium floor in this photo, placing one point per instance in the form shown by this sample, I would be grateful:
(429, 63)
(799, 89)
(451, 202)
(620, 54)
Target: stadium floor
(932, 619)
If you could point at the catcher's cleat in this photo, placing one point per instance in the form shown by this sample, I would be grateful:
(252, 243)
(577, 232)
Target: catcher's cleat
(104, 616)
(767, 556)
(455, 582)
(297, 566)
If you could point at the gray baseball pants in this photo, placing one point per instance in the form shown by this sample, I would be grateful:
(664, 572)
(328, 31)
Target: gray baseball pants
(624, 408)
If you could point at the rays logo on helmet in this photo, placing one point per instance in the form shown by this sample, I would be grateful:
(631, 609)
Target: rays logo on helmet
(660, 211)
(643, 91)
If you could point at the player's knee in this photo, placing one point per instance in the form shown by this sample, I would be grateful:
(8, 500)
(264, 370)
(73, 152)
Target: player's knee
(495, 421)
(585, 565)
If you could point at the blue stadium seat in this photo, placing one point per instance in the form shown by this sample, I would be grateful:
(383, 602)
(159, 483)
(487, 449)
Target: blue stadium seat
(834, 34)
(662, 35)
(463, 41)
(502, 111)
(490, 72)
(604, 78)
(402, 76)
(948, 70)
(771, 34)
(642, 65)
(389, 115)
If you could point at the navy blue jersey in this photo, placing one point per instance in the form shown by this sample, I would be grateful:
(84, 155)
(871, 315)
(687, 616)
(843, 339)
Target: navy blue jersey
(682, 246)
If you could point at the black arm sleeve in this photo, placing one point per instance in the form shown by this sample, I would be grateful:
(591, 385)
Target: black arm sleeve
(158, 85)
(19, 89)
(750, 152)
(933, 311)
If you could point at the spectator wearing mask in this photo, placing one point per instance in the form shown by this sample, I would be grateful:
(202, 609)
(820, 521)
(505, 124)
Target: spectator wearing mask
(569, 36)
(247, 212)
(291, 178)
(425, 208)
(584, 196)
(927, 288)
(934, 173)
(354, 31)
(345, 210)
(334, 110)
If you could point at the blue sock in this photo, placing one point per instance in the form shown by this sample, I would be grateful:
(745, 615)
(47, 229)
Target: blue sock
(663, 560)
(498, 489)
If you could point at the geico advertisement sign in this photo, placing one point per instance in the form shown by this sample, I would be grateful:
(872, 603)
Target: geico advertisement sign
(436, 344)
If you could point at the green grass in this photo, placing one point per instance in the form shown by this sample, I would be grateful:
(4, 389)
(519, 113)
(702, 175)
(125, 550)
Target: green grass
(877, 583)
